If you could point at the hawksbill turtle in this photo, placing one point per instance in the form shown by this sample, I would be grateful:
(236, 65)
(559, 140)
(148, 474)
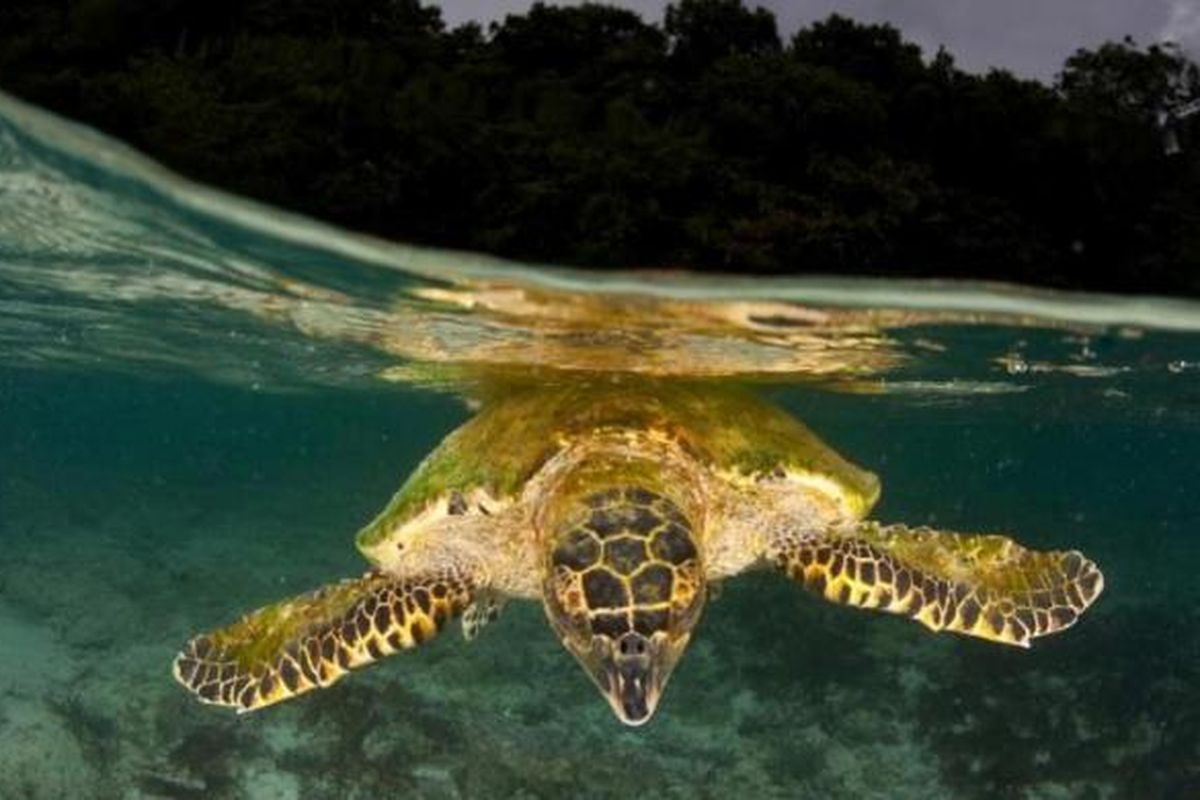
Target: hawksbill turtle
(620, 504)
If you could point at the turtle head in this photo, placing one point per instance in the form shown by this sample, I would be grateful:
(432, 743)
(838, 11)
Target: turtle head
(623, 589)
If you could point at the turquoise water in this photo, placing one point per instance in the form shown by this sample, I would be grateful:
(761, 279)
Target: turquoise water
(201, 400)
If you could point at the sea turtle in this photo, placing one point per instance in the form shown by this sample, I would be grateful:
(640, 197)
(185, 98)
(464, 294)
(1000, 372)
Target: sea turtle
(620, 503)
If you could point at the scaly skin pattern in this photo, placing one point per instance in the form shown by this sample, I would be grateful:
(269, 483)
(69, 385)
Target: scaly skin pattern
(984, 586)
(311, 641)
(626, 564)
(624, 586)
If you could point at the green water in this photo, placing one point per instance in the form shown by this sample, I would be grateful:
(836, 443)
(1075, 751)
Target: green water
(202, 400)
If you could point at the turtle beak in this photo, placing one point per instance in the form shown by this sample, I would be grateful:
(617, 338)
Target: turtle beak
(632, 672)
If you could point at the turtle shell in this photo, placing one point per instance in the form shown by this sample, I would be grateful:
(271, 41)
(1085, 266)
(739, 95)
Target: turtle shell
(489, 459)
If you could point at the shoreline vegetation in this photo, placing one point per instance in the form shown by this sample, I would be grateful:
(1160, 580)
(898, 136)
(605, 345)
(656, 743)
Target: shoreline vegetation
(585, 136)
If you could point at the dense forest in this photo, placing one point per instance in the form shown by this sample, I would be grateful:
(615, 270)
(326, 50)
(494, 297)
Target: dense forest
(586, 136)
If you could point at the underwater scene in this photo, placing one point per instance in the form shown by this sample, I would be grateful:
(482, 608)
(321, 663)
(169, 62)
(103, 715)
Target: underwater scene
(207, 407)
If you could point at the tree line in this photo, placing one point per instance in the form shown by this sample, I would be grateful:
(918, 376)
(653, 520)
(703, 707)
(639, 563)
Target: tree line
(587, 136)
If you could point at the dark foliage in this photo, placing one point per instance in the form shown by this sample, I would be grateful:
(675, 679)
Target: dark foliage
(585, 136)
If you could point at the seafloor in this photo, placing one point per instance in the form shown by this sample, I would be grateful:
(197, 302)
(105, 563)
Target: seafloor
(133, 514)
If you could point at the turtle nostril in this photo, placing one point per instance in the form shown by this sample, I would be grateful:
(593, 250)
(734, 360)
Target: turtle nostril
(632, 644)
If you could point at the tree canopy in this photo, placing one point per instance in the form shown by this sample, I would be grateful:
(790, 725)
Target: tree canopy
(586, 136)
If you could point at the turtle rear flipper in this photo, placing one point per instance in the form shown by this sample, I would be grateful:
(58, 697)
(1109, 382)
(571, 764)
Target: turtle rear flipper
(312, 640)
(981, 585)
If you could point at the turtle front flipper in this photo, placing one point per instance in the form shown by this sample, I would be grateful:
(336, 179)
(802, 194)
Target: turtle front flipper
(981, 585)
(312, 640)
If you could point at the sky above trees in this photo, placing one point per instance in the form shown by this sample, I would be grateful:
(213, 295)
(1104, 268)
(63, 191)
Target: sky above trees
(1029, 37)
